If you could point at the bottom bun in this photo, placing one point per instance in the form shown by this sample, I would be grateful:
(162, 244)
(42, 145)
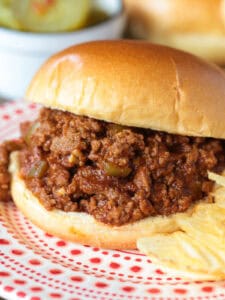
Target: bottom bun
(82, 227)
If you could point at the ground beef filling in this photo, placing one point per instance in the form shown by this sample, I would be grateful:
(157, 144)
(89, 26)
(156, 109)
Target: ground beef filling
(5, 149)
(117, 174)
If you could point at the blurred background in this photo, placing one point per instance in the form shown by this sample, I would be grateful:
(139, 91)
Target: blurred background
(32, 30)
(197, 26)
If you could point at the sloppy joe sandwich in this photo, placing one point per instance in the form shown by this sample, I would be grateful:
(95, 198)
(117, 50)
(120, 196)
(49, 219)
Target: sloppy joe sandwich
(123, 144)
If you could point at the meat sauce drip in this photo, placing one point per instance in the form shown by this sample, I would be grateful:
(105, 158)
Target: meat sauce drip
(116, 173)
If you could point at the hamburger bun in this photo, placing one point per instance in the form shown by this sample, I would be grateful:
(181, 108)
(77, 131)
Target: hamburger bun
(194, 26)
(136, 84)
(129, 83)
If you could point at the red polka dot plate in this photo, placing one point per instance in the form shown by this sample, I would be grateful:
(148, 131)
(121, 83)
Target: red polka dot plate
(36, 266)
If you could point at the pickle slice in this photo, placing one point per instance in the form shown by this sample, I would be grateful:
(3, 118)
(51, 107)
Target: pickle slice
(38, 170)
(7, 18)
(52, 15)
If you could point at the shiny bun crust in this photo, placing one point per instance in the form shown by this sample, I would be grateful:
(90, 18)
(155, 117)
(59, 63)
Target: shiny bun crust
(195, 26)
(81, 227)
(136, 84)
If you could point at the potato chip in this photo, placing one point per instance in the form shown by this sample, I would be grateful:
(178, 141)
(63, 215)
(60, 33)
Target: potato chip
(197, 249)
(219, 179)
(207, 219)
(181, 252)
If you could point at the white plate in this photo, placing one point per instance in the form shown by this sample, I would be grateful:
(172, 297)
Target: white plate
(37, 266)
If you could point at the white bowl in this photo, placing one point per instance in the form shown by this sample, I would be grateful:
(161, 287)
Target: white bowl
(22, 53)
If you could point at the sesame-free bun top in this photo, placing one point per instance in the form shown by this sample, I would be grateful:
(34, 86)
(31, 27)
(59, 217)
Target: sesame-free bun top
(136, 84)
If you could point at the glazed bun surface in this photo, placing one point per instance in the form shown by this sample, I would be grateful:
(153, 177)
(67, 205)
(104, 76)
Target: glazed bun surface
(82, 227)
(136, 84)
(195, 26)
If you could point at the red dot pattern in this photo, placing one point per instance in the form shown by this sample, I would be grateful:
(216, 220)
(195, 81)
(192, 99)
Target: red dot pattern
(21, 294)
(180, 291)
(95, 260)
(75, 252)
(17, 252)
(135, 269)
(77, 278)
(61, 243)
(4, 242)
(4, 274)
(208, 289)
(36, 289)
(18, 111)
(153, 291)
(128, 289)
(6, 117)
(35, 262)
(101, 285)
(55, 295)
(8, 288)
(114, 265)
(19, 281)
(55, 271)
(35, 265)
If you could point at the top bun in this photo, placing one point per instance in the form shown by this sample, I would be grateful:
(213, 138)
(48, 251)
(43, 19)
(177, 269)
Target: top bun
(136, 84)
(195, 26)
